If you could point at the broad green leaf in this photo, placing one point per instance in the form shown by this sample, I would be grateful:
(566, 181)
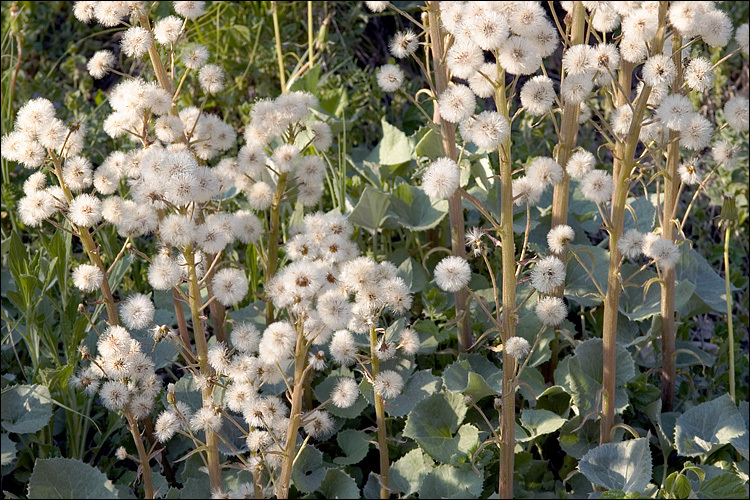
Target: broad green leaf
(429, 145)
(194, 478)
(434, 422)
(355, 444)
(677, 485)
(703, 428)
(577, 442)
(656, 416)
(613, 494)
(589, 355)
(581, 374)
(540, 422)
(164, 353)
(335, 103)
(418, 386)
(533, 384)
(644, 211)
(709, 286)
(59, 246)
(17, 256)
(412, 273)
(119, 270)
(447, 481)
(696, 355)
(370, 209)
(308, 472)
(309, 81)
(741, 443)
(8, 448)
(555, 399)
(578, 284)
(417, 212)
(726, 485)
(159, 483)
(394, 148)
(529, 327)
(196, 487)
(187, 391)
(26, 409)
(338, 484)
(636, 307)
(233, 479)
(461, 377)
(407, 473)
(254, 313)
(622, 466)
(241, 33)
(68, 478)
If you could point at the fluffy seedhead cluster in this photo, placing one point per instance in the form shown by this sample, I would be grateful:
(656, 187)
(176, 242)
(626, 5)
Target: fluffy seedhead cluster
(166, 189)
(496, 45)
(638, 74)
(121, 373)
(316, 288)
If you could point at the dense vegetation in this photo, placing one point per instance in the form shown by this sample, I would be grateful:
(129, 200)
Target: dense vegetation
(244, 254)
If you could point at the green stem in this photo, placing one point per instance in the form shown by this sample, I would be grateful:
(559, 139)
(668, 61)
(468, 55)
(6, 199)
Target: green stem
(87, 241)
(380, 418)
(273, 243)
(568, 139)
(279, 55)
(142, 455)
(199, 333)
(310, 33)
(671, 199)
(298, 389)
(508, 417)
(448, 139)
(623, 164)
(730, 326)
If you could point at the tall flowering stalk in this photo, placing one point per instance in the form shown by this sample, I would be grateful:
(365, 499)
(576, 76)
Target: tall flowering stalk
(518, 37)
(568, 135)
(671, 189)
(448, 141)
(729, 221)
(175, 184)
(624, 164)
(509, 317)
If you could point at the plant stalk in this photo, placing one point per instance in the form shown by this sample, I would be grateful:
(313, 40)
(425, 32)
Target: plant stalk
(142, 455)
(508, 419)
(730, 325)
(448, 140)
(279, 54)
(182, 327)
(380, 418)
(298, 389)
(153, 52)
(310, 33)
(568, 139)
(87, 241)
(199, 333)
(671, 199)
(623, 164)
(273, 244)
